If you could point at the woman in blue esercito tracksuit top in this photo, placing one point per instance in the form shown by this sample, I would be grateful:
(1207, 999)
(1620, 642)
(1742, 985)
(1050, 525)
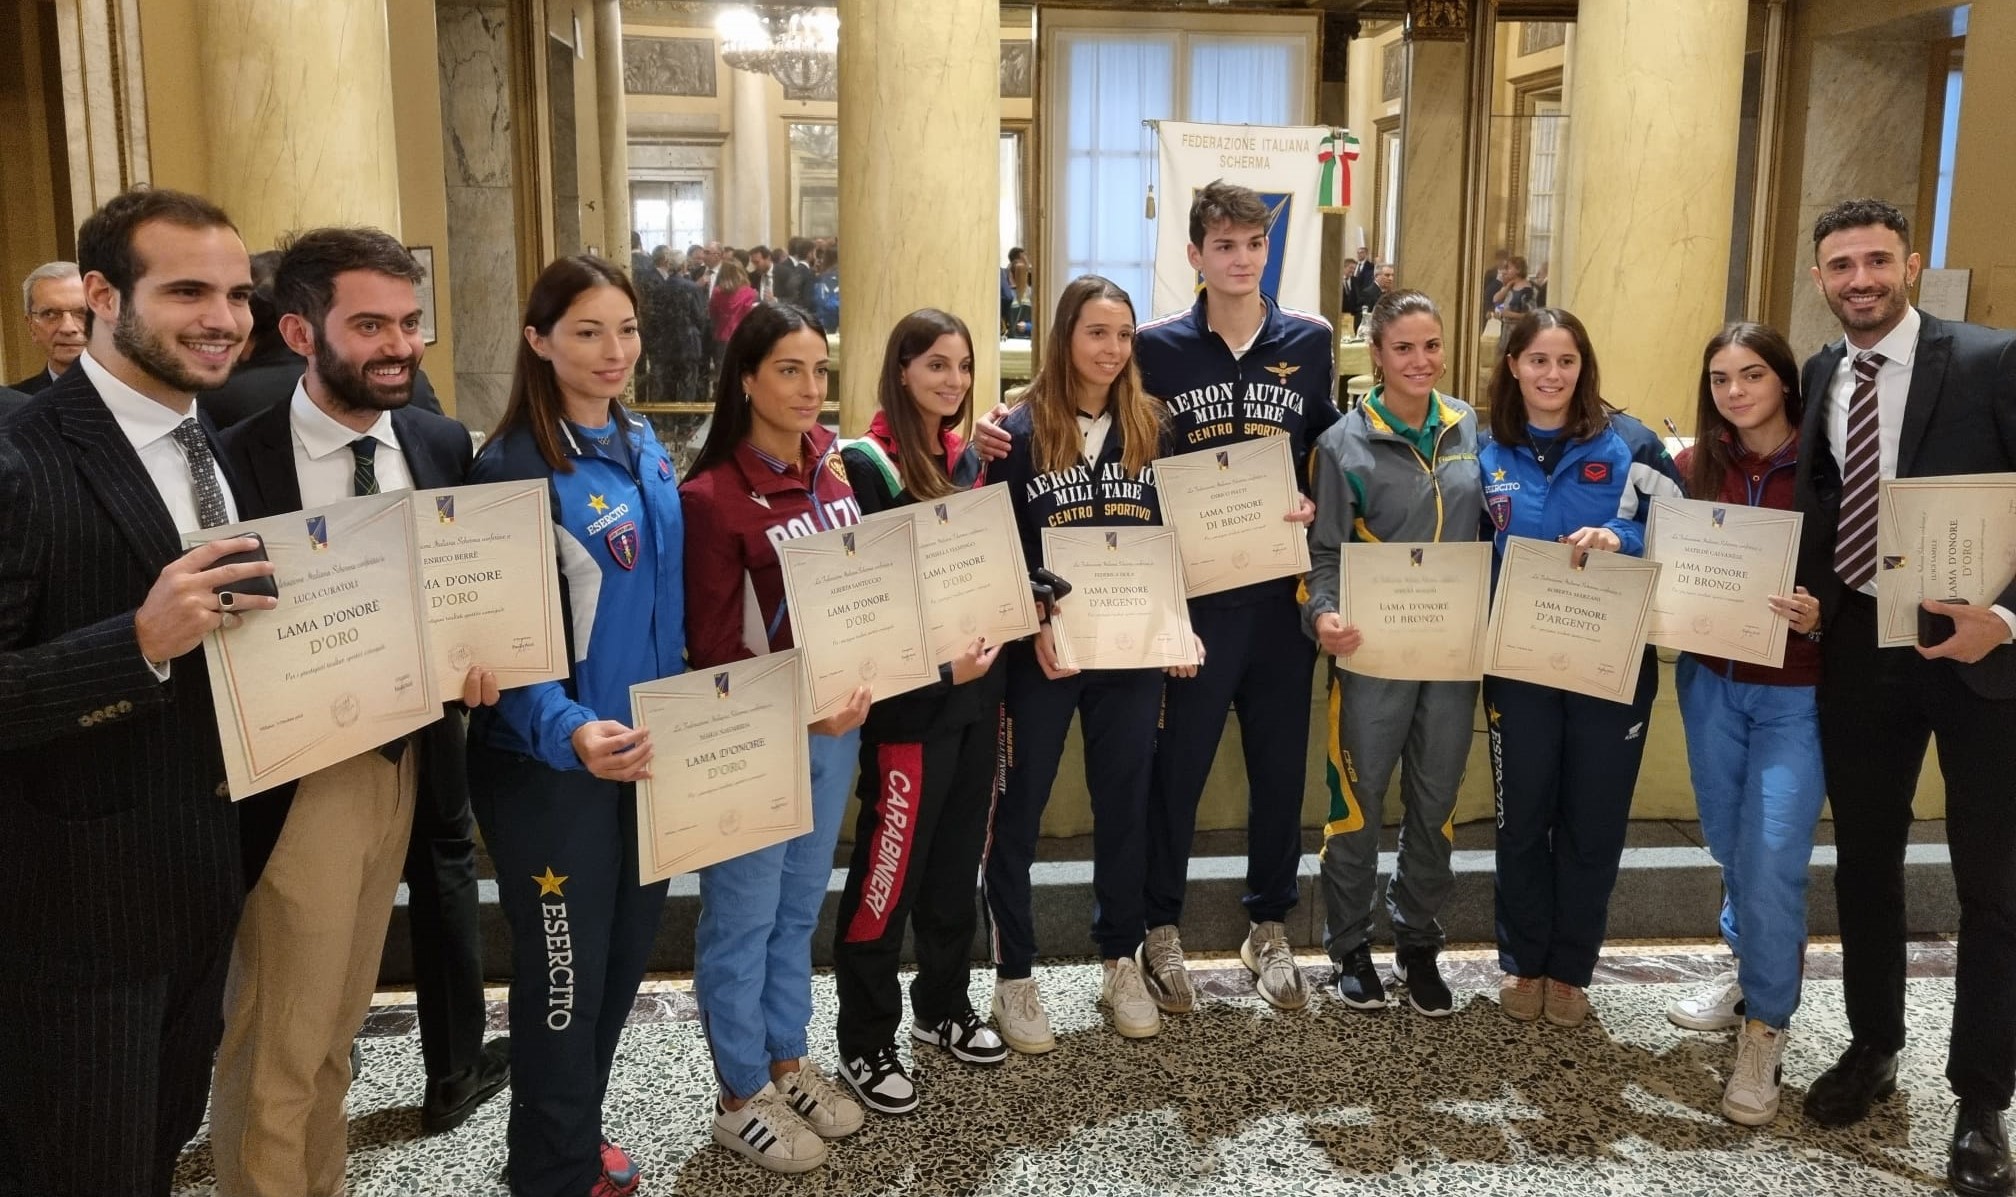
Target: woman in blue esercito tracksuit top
(1561, 465)
(553, 766)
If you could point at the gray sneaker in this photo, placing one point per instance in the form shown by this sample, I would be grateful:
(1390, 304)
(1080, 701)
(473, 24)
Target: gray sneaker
(1275, 974)
(1163, 972)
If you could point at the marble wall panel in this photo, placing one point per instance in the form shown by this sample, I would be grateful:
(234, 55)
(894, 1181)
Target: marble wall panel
(476, 133)
(475, 95)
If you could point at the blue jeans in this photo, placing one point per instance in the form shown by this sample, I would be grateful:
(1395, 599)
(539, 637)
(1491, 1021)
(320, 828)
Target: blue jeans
(752, 968)
(1754, 753)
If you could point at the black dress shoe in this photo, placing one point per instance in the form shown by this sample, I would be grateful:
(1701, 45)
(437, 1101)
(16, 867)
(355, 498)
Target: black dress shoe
(1843, 1094)
(450, 1102)
(1979, 1163)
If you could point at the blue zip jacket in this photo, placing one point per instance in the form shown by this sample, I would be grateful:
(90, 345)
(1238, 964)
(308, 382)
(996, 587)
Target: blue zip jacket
(1281, 386)
(1603, 482)
(622, 548)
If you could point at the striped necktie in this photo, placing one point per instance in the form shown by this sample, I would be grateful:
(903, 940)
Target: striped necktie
(364, 474)
(1855, 535)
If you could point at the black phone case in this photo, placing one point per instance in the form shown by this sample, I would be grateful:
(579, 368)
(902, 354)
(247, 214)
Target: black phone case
(262, 585)
(1933, 628)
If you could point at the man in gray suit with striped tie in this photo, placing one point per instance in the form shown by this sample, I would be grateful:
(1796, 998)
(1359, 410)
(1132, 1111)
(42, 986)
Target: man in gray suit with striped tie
(122, 850)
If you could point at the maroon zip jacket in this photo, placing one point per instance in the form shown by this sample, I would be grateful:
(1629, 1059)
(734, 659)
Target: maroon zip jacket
(1757, 481)
(736, 513)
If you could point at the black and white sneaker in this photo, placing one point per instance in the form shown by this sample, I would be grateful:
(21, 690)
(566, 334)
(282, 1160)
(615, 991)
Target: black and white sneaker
(1426, 991)
(966, 1035)
(1357, 983)
(879, 1081)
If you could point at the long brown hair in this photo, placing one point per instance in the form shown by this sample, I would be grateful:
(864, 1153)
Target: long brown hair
(1587, 413)
(536, 404)
(1713, 455)
(1137, 416)
(758, 334)
(923, 474)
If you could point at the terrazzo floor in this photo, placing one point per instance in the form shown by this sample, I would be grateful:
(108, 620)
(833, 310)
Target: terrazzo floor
(1238, 1098)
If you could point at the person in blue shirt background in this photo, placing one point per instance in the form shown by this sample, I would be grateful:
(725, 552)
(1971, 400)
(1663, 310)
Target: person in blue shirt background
(1561, 465)
(553, 767)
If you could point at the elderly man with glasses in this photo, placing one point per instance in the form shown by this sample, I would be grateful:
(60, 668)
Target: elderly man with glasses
(54, 297)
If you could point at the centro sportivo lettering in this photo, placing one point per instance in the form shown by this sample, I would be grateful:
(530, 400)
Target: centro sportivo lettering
(559, 952)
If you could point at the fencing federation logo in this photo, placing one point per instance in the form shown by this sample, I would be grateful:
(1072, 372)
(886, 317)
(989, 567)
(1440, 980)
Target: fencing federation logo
(318, 532)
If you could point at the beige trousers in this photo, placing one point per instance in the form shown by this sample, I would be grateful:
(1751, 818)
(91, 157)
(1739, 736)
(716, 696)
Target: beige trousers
(302, 972)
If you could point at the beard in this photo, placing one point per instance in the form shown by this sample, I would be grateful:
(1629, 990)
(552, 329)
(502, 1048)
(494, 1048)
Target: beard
(1890, 305)
(355, 390)
(153, 353)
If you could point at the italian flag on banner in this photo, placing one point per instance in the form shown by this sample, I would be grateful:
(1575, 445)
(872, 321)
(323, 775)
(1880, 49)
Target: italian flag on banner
(1337, 151)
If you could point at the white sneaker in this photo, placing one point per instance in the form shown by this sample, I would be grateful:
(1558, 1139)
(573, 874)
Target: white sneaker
(813, 1096)
(1717, 1006)
(1134, 1012)
(1276, 976)
(1160, 957)
(1019, 1013)
(1751, 1097)
(768, 1132)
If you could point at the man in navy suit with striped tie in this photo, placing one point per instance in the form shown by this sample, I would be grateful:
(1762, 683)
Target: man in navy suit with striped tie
(122, 845)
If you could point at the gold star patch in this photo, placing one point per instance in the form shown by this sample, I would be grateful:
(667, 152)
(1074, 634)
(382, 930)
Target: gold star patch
(1491, 713)
(550, 884)
(599, 503)
(1282, 370)
(1497, 475)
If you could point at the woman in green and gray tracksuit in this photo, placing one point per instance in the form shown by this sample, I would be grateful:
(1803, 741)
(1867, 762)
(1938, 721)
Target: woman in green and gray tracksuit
(1399, 468)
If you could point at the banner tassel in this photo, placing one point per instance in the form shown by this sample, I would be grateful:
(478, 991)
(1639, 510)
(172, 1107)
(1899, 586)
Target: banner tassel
(1148, 209)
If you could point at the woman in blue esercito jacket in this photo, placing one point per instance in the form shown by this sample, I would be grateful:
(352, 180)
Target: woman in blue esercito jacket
(553, 767)
(1562, 465)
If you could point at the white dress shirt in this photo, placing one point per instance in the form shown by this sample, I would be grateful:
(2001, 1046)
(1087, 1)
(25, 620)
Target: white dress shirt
(323, 461)
(1095, 430)
(1893, 387)
(151, 427)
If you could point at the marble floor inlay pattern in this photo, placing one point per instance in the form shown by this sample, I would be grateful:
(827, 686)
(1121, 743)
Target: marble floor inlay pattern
(1238, 1098)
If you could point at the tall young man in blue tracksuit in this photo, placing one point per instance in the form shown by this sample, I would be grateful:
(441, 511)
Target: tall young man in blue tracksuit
(1234, 367)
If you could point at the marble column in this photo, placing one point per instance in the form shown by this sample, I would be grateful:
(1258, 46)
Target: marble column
(920, 119)
(477, 134)
(747, 220)
(301, 133)
(612, 125)
(1650, 192)
(1434, 119)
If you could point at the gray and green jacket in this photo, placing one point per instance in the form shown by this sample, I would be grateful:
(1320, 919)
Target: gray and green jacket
(1374, 481)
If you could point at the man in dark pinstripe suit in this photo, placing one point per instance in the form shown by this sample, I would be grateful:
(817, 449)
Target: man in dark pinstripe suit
(121, 845)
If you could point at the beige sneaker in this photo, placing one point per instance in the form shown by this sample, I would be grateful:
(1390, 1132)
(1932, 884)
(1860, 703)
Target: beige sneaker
(1566, 1005)
(1520, 997)
(823, 1105)
(1164, 973)
(1751, 1097)
(1019, 1013)
(1276, 976)
(1134, 1012)
(768, 1132)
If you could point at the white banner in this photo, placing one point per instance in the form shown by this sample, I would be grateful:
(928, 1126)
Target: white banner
(1283, 164)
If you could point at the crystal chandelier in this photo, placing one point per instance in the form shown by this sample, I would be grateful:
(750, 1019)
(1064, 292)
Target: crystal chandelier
(798, 47)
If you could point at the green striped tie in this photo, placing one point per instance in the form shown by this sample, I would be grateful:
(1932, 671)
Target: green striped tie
(364, 476)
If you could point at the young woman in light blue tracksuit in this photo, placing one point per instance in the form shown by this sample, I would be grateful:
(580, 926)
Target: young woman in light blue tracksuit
(1560, 465)
(552, 766)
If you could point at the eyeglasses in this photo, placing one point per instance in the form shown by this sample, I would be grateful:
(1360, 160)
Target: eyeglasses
(55, 315)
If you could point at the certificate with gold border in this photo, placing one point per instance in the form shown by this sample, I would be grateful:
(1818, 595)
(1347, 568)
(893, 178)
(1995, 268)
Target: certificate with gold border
(1126, 608)
(1941, 538)
(856, 607)
(1228, 508)
(340, 666)
(492, 586)
(1573, 627)
(1421, 609)
(731, 769)
(1723, 562)
(969, 560)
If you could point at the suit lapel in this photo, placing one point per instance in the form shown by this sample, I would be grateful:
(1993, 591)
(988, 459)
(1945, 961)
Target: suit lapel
(1928, 376)
(110, 467)
(271, 461)
(429, 473)
(1817, 380)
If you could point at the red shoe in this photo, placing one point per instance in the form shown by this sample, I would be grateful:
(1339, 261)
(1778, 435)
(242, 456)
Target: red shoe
(619, 1173)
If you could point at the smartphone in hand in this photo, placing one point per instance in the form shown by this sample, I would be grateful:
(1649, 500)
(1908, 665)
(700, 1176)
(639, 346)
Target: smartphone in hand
(263, 584)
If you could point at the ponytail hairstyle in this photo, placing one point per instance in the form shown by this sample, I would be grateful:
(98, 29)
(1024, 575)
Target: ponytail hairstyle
(913, 336)
(754, 340)
(1392, 306)
(1715, 444)
(1137, 416)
